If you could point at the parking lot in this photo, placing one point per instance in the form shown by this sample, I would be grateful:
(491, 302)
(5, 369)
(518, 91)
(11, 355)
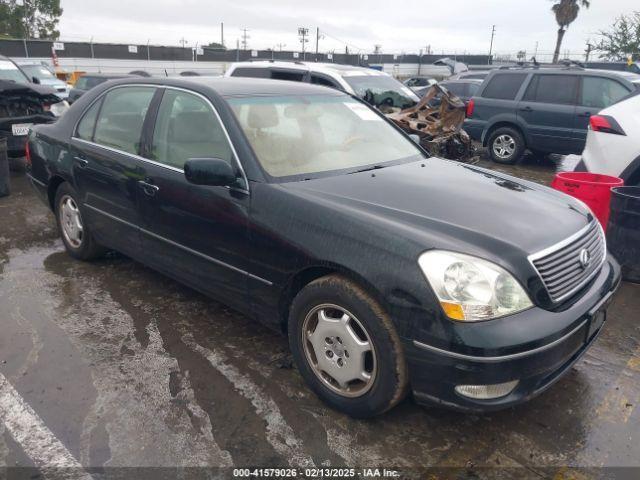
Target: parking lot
(109, 364)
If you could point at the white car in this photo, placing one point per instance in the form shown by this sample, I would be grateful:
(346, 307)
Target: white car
(375, 87)
(613, 141)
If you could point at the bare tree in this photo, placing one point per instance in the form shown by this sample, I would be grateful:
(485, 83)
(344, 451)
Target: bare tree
(566, 11)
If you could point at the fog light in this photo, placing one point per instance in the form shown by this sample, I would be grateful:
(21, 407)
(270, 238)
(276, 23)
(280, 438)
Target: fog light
(486, 392)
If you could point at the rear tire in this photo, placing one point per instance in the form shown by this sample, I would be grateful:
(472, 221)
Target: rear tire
(76, 235)
(506, 146)
(346, 347)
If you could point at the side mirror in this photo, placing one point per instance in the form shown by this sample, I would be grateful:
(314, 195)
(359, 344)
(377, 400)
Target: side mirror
(214, 172)
(35, 80)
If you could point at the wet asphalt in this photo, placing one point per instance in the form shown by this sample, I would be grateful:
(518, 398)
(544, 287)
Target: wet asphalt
(111, 365)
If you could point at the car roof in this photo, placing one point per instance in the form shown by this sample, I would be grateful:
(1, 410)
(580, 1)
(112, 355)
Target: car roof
(109, 75)
(464, 80)
(630, 76)
(320, 67)
(237, 86)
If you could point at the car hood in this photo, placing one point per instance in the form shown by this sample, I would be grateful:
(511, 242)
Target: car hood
(437, 200)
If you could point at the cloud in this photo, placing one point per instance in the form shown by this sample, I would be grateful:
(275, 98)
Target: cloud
(456, 26)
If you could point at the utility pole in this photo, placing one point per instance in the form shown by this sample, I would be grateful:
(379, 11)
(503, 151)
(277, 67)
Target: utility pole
(493, 34)
(317, 41)
(587, 52)
(222, 33)
(419, 62)
(183, 42)
(245, 37)
(280, 46)
(148, 52)
(303, 32)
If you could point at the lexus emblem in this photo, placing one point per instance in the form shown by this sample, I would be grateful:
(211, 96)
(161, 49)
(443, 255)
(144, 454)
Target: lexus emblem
(585, 258)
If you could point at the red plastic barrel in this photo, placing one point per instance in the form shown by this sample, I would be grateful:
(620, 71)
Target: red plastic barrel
(594, 189)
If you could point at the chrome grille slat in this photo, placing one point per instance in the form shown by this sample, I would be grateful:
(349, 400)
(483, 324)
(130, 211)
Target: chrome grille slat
(544, 266)
(552, 274)
(568, 249)
(560, 268)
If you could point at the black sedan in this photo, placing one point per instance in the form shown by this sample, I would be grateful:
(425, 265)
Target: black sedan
(305, 208)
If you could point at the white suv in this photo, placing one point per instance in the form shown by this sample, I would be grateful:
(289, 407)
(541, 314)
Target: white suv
(375, 87)
(613, 141)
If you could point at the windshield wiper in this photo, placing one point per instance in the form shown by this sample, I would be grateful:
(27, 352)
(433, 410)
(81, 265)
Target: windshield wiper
(368, 169)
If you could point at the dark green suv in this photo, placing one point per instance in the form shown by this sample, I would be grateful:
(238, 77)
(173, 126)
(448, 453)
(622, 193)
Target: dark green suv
(545, 110)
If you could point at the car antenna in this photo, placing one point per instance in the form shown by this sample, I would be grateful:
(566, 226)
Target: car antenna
(166, 74)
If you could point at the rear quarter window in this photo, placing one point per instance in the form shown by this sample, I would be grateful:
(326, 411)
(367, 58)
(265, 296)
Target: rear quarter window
(251, 72)
(504, 86)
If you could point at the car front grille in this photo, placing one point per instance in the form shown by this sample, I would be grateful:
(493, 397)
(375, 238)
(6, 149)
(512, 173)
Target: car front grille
(566, 267)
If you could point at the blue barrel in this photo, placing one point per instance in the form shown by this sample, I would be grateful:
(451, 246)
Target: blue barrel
(623, 232)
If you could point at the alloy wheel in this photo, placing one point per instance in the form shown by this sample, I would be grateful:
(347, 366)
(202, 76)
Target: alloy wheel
(504, 146)
(71, 221)
(339, 350)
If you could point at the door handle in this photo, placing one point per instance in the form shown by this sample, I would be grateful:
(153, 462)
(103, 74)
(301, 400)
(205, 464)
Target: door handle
(149, 188)
(585, 114)
(82, 162)
(526, 109)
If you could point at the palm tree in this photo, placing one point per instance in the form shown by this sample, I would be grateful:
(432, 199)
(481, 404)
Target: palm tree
(566, 12)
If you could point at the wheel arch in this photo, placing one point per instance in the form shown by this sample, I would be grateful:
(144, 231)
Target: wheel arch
(304, 277)
(504, 124)
(631, 174)
(54, 183)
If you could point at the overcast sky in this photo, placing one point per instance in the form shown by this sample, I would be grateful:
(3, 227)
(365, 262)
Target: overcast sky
(453, 26)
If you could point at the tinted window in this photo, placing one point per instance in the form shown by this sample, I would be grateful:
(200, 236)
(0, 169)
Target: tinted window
(287, 75)
(88, 122)
(504, 86)
(120, 122)
(558, 89)
(473, 89)
(320, 80)
(186, 128)
(601, 92)
(251, 72)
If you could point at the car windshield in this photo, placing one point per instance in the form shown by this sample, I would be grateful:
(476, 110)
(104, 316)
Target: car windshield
(8, 71)
(382, 91)
(305, 135)
(39, 71)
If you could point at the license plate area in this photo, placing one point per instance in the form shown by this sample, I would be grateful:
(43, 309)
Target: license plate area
(20, 129)
(596, 322)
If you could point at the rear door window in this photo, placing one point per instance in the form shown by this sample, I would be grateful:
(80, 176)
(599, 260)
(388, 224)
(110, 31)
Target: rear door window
(504, 86)
(555, 89)
(120, 122)
(600, 92)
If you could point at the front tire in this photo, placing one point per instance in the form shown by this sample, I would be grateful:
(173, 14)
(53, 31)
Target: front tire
(506, 146)
(76, 235)
(346, 347)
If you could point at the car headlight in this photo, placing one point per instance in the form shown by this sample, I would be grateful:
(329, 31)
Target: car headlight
(59, 108)
(471, 289)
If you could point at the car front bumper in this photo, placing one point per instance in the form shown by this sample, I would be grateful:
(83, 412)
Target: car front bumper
(434, 372)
